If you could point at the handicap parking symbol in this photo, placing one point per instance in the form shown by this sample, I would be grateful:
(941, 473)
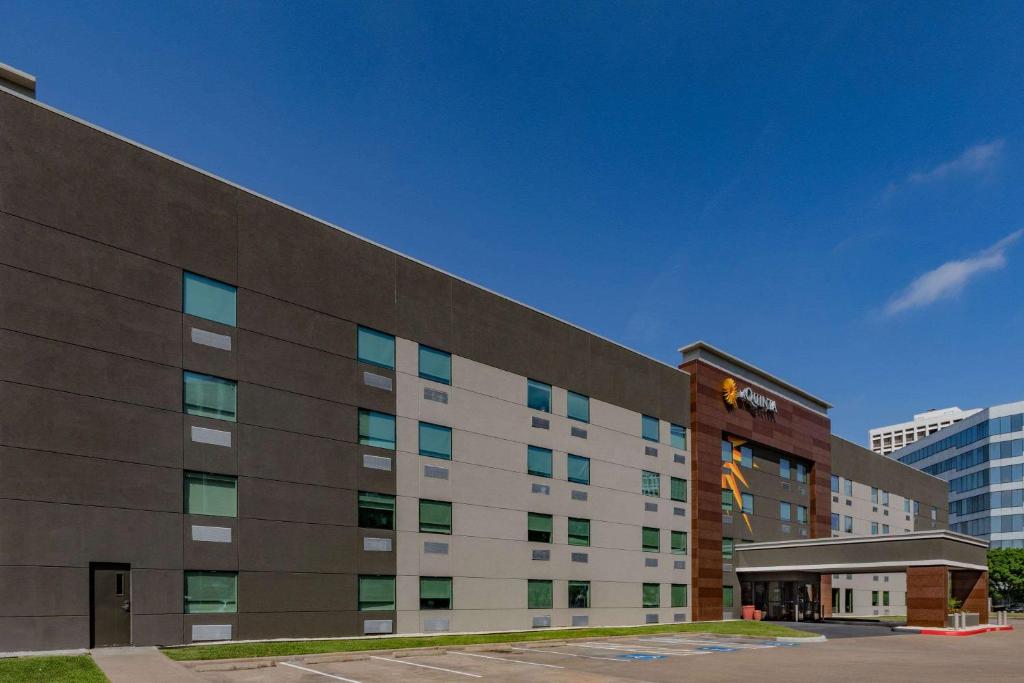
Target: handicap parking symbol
(716, 648)
(640, 656)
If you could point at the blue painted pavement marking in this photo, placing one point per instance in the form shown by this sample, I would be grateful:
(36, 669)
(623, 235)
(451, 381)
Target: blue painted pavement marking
(716, 648)
(640, 656)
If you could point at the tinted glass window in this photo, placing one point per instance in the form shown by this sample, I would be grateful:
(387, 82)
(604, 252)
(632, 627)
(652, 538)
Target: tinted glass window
(375, 348)
(206, 298)
(435, 365)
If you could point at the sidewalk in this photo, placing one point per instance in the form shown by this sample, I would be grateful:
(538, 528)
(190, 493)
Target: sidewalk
(137, 664)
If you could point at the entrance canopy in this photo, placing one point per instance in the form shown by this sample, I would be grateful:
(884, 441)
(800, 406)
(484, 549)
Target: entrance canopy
(939, 565)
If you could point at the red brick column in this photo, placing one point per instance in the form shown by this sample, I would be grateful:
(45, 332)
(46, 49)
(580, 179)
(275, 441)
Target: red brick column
(927, 596)
(826, 596)
(971, 588)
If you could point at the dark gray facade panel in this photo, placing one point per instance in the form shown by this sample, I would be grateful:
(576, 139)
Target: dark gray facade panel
(266, 407)
(290, 322)
(27, 359)
(298, 592)
(114, 192)
(77, 480)
(157, 591)
(57, 254)
(157, 629)
(200, 456)
(298, 547)
(204, 554)
(19, 634)
(424, 304)
(298, 369)
(43, 592)
(290, 502)
(46, 420)
(207, 359)
(304, 624)
(55, 535)
(286, 456)
(44, 307)
(291, 257)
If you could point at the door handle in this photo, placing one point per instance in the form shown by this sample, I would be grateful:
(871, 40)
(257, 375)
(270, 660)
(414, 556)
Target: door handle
(126, 606)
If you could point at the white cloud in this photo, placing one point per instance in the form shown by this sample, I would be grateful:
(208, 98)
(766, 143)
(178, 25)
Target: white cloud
(976, 159)
(951, 277)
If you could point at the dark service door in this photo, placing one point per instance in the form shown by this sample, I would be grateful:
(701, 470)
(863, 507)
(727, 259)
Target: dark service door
(111, 605)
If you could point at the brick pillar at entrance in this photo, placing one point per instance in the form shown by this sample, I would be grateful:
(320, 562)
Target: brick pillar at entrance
(927, 596)
(826, 596)
(971, 588)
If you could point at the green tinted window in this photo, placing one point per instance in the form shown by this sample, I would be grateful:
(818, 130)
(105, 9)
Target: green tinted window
(207, 592)
(652, 595)
(538, 527)
(650, 483)
(679, 542)
(376, 510)
(435, 365)
(375, 348)
(538, 395)
(651, 539)
(727, 597)
(211, 494)
(435, 517)
(579, 594)
(538, 594)
(679, 597)
(578, 469)
(435, 592)
(538, 461)
(678, 491)
(727, 546)
(376, 593)
(677, 434)
(206, 298)
(650, 428)
(435, 441)
(376, 429)
(209, 396)
(578, 407)
(726, 501)
(579, 531)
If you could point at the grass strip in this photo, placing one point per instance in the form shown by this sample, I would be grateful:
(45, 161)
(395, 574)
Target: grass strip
(63, 669)
(286, 648)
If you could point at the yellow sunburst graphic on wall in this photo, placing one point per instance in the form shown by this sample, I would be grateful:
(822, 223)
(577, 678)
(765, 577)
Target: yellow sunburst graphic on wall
(729, 392)
(732, 476)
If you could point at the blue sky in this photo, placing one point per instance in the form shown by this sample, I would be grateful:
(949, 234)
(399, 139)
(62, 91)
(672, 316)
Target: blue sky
(829, 190)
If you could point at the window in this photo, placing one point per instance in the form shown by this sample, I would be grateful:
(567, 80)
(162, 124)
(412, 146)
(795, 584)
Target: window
(651, 539)
(652, 595)
(906, 505)
(746, 457)
(375, 348)
(211, 494)
(835, 600)
(801, 473)
(435, 365)
(577, 407)
(849, 487)
(435, 517)
(538, 527)
(727, 599)
(801, 514)
(376, 429)
(726, 450)
(874, 598)
(206, 298)
(579, 594)
(748, 503)
(376, 593)
(885, 529)
(885, 598)
(678, 542)
(209, 396)
(435, 441)
(677, 489)
(435, 592)
(679, 597)
(848, 524)
(885, 498)
(848, 605)
(835, 522)
(933, 513)
(650, 428)
(650, 483)
(376, 510)
(578, 469)
(874, 495)
(579, 531)
(874, 528)
(538, 594)
(785, 511)
(538, 395)
(677, 437)
(784, 468)
(727, 501)
(207, 592)
(538, 461)
(835, 483)
(727, 547)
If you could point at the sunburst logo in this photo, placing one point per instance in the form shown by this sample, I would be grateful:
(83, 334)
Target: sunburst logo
(732, 476)
(729, 392)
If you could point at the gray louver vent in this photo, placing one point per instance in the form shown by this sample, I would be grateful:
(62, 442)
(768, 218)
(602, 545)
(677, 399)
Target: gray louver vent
(580, 557)
(679, 458)
(580, 620)
(541, 622)
(540, 423)
(543, 555)
(435, 548)
(578, 431)
(434, 625)
(435, 395)
(579, 495)
(681, 512)
(679, 564)
(651, 450)
(376, 462)
(650, 562)
(372, 379)
(650, 507)
(679, 617)
(435, 472)
(212, 339)
(540, 488)
(651, 619)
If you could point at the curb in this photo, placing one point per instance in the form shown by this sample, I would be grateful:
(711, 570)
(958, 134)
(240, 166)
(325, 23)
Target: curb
(797, 639)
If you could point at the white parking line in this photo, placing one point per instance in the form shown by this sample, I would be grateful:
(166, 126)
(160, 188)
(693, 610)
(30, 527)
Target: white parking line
(314, 671)
(547, 651)
(503, 659)
(424, 666)
(639, 649)
(706, 643)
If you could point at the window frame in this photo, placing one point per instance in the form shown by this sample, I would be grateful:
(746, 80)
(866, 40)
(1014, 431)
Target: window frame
(572, 457)
(363, 331)
(203, 477)
(531, 518)
(649, 590)
(423, 374)
(364, 416)
(386, 606)
(451, 596)
(231, 604)
(209, 285)
(575, 583)
(539, 452)
(431, 527)
(363, 498)
(648, 481)
(684, 600)
(646, 423)
(675, 430)
(432, 427)
(530, 594)
(580, 522)
(684, 544)
(533, 386)
(647, 533)
(570, 395)
(213, 413)
(683, 484)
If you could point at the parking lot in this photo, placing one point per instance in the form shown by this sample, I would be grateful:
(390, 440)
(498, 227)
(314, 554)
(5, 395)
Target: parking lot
(657, 659)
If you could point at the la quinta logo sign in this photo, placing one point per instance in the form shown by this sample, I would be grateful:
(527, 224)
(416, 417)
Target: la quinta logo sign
(747, 397)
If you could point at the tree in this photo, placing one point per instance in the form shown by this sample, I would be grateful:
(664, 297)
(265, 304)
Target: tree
(1006, 574)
